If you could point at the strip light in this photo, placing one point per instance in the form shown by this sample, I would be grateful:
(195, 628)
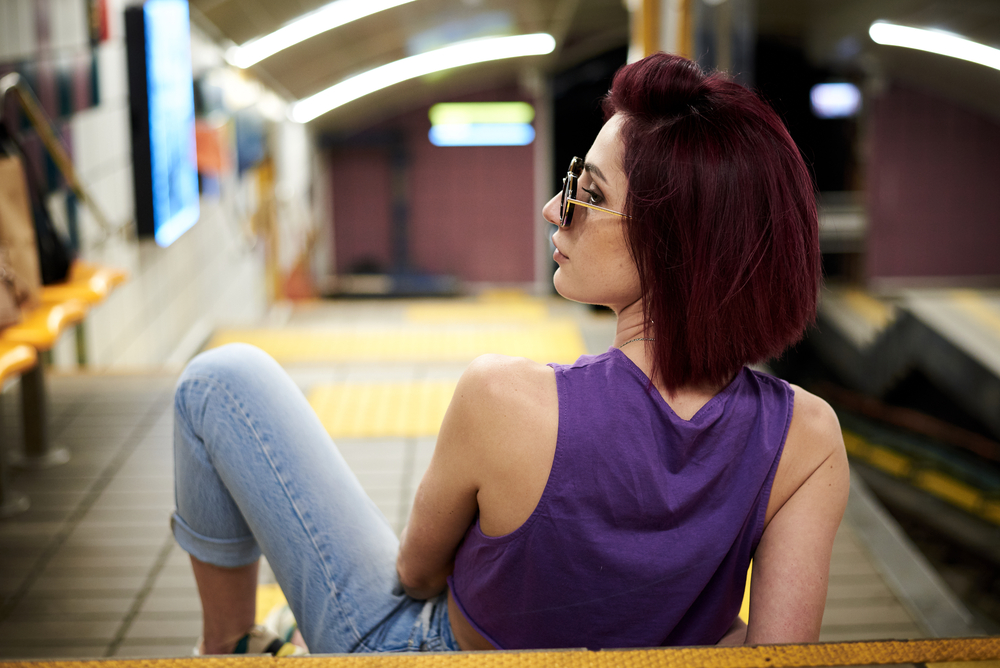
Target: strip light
(482, 134)
(467, 52)
(464, 113)
(308, 25)
(935, 41)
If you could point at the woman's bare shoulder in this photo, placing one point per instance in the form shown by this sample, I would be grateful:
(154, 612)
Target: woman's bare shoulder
(505, 417)
(815, 429)
(814, 439)
(507, 382)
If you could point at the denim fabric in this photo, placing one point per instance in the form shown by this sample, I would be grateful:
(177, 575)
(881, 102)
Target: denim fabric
(256, 472)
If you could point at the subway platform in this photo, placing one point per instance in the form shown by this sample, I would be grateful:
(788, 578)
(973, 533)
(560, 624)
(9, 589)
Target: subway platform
(91, 569)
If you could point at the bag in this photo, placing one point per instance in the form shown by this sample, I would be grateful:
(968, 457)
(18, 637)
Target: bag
(52, 255)
(12, 292)
(17, 229)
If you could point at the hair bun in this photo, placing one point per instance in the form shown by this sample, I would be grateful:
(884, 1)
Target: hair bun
(663, 85)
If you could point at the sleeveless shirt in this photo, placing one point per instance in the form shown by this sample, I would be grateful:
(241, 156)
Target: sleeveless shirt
(647, 523)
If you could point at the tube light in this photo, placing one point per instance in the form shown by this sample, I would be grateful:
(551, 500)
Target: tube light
(482, 134)
(462, 113)
(935, 41)
(308, 25)
(467, 52)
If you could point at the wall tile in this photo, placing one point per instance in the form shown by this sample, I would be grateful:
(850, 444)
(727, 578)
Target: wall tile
(113, 68)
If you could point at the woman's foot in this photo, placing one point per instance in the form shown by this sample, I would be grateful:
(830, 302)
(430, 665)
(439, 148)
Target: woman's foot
(259, 640)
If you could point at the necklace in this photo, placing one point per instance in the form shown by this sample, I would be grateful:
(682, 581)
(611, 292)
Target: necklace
(638, 338)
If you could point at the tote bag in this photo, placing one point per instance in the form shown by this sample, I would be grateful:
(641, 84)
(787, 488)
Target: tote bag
(17, 229)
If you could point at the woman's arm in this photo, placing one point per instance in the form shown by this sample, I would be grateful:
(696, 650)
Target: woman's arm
(792, 562)
(445, 504)
(487, 460)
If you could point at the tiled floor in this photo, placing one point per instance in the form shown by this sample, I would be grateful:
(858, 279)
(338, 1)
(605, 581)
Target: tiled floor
(91, 569)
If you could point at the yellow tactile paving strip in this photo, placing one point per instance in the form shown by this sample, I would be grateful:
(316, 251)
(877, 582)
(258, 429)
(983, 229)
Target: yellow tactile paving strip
(382, 410)
(269, 596)
(545, 341)
(524, 310)
(764, 656)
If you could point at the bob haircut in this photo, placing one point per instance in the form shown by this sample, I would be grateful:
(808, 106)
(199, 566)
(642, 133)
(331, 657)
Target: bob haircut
(723, 226)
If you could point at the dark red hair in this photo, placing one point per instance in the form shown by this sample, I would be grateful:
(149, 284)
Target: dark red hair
(723, 224)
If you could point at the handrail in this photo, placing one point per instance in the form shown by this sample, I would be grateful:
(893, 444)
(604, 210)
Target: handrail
(14, 83)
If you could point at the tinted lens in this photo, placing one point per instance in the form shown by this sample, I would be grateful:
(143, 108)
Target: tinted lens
(565, 205)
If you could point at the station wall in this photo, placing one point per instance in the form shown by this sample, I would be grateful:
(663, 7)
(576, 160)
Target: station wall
(470, 210)
(934, 204)
(175, 296)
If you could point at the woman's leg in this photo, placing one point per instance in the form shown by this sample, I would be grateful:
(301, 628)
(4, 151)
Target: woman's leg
(255, 470)
(228, 604)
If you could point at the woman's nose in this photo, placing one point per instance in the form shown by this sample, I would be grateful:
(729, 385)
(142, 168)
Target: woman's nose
(551, 210)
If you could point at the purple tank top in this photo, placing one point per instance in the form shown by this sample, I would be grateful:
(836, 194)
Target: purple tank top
(647, 523)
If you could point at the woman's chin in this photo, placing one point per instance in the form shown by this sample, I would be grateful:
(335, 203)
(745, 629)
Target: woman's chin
(566, 291)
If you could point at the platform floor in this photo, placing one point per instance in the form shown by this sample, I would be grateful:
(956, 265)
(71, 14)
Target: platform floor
(91, 570)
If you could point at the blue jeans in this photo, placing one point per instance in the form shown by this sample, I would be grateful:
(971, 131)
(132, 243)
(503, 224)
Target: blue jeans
(256, 472)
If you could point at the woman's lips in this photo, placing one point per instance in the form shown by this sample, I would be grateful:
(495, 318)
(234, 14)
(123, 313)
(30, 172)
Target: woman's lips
(558, 255)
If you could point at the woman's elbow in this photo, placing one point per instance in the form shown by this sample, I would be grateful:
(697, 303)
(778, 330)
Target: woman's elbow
(419, 585)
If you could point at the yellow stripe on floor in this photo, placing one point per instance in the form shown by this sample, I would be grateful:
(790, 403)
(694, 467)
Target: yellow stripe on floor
(938, 483)
(550, 341)
(382, 410)
(475, 312)
(269, 596)
(973, 303)
(876, 312)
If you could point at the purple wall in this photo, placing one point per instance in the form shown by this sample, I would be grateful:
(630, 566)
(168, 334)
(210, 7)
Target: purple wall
(933, 188)
(361, 208)
(471, 209)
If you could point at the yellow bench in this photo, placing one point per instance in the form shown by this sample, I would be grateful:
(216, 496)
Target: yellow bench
(937, 652)
(14, 359)
(89, 283)
(62, 306)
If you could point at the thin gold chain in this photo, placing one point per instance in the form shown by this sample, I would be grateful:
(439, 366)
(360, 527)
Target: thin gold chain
(638, 338)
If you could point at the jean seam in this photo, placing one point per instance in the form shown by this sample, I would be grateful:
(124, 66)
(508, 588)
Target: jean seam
(298, 513)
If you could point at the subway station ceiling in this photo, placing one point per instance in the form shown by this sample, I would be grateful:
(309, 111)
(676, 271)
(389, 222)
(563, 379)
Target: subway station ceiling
(582, 29)
(833, 33)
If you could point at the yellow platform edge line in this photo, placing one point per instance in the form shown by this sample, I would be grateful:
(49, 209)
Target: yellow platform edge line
(973, 303)
(877, 313)
(938, 650)
(936, 483)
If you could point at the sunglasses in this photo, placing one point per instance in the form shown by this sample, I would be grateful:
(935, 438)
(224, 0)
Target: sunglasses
(568, 201)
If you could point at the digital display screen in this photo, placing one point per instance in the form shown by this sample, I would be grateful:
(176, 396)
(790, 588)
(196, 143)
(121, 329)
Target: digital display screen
(162, 103)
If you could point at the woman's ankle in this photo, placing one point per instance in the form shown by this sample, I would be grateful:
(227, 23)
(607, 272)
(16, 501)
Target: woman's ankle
(221, 645)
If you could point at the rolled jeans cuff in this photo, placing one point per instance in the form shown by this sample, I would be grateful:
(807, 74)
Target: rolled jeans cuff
(226, 552)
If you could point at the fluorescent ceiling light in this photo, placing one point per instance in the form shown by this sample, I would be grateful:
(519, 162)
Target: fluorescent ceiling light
(455, 55)
(935, 41)
(309, 25)
(835, 100)
(482, 134)
(463, 113)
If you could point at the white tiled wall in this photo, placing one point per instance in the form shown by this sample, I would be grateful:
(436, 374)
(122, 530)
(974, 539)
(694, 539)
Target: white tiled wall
(17, 29)
(213, 275)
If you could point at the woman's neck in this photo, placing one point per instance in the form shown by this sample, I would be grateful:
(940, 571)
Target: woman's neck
(632, 324)
(632, 328)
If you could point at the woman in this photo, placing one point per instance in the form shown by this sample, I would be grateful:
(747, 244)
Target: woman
(615, 502)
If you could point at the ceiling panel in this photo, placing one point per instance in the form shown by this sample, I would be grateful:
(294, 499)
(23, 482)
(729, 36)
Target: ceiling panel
(833, 32)
(584, 27)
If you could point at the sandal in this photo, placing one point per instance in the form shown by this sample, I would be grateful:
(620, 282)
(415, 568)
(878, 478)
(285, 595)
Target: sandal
(261, 640)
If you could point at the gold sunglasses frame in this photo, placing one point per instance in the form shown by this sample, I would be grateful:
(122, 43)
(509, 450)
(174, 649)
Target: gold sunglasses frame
(567, 199)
